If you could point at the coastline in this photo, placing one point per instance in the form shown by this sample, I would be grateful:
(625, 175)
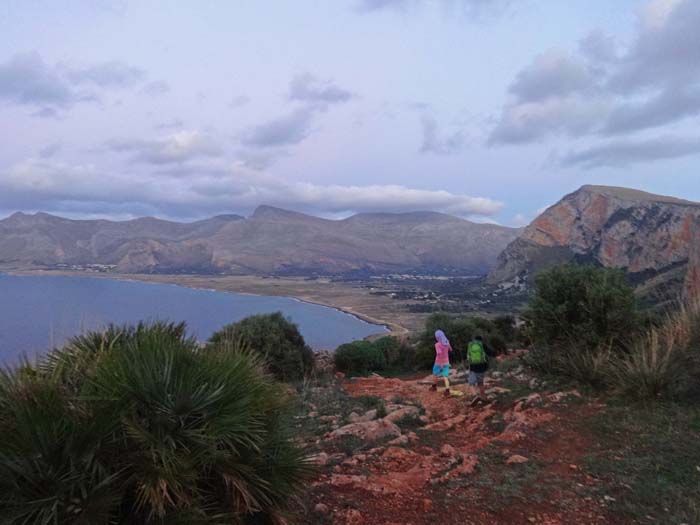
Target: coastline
(313, 292)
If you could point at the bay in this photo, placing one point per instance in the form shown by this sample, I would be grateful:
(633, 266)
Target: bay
(41, 312)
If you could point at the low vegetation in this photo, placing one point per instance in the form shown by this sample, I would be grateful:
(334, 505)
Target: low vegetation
(585, 324)
(385, 354)
(275, 338)
(648, 459)
(140, 425)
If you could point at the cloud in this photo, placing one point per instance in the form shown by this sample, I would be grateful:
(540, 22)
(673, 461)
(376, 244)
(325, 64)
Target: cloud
(601, 91)
(434, 142)
(176, 148)
(107, 74)
(287, 130)
(175, 123)
(532, 121)
(307, 88)
(551, 75)
(27, 79)
(50, 150)
(208, 189)
(239, 101)
(468, 7)
(156, 88)
(622, 153)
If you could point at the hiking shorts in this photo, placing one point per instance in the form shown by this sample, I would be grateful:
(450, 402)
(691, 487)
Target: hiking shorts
(476, 378)
(441, 370)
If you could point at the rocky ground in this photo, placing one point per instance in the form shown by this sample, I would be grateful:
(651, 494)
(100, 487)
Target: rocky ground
(391, 451)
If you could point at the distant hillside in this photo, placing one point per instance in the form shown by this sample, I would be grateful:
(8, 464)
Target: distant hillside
(648, 235)
(271, 241)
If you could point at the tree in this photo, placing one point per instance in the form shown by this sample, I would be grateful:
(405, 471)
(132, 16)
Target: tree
(275, 338)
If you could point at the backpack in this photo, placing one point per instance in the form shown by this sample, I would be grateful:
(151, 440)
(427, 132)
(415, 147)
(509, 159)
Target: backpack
(476, 353)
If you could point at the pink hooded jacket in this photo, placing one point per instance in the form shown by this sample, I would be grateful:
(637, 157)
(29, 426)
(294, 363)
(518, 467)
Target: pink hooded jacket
(442, 349)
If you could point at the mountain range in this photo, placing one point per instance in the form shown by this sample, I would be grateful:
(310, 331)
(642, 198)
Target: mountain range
(271, 241)
(656, 239)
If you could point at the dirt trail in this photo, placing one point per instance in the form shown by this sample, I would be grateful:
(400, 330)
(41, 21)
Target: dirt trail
(515, 460)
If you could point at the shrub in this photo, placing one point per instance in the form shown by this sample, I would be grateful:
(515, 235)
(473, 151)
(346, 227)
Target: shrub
(157, 431)
(275, 338)
(359, 357)
(664, 362)
(582, 305)
(460, 331)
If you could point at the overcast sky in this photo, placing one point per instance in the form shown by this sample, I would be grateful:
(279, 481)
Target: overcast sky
(487, 109)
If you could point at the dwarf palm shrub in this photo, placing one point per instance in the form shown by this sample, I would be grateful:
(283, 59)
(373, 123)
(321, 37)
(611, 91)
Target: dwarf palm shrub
(155, 431)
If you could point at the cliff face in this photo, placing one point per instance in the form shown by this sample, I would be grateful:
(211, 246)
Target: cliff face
(692, 278)
(648, 235)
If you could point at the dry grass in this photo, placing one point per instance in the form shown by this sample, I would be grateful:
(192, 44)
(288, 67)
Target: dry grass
(665, 361)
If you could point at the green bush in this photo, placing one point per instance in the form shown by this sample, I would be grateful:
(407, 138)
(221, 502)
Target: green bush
(460, 331)
(154, 431)
(359, 357)
(275, 338)
(584, 306)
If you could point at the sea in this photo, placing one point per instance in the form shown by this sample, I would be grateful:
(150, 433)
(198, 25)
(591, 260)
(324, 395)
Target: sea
(40, 312)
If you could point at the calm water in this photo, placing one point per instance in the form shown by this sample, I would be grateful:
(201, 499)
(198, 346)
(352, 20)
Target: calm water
(37, 313)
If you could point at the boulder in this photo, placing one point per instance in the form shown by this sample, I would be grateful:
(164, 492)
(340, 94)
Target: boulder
(398, 415)
(368, 430)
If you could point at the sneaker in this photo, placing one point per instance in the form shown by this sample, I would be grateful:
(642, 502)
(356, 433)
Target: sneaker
(475, 401)
(433, 388)
(447, 393)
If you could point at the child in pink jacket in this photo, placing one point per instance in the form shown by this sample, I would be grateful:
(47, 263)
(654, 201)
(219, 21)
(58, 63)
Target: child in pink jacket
(442, 361)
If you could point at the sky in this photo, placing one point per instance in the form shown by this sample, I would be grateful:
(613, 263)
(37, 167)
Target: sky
(487, 109)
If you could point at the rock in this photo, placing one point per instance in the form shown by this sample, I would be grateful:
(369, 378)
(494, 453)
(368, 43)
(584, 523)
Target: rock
(398, 454)
(320, 459)
(447, 424)
(516, 459)
(447, 450)
(560, 396)
(648, 235)
(398, 415)
(399, 441)
(312, 414)
(533, 399)
(354, 417)
(339, 480)
(322, 509)
(456, 377)
(339, 375)
(427, 505)
(368, 431)
(354, 517)
(328, 419)
(376, 375)
(424, 419)
(465, 464)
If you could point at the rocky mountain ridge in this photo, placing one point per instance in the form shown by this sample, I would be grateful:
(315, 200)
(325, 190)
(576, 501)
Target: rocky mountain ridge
(270, 241)
(650, 236)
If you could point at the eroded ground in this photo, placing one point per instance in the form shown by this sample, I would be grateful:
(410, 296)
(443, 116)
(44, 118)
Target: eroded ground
(408, 455)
